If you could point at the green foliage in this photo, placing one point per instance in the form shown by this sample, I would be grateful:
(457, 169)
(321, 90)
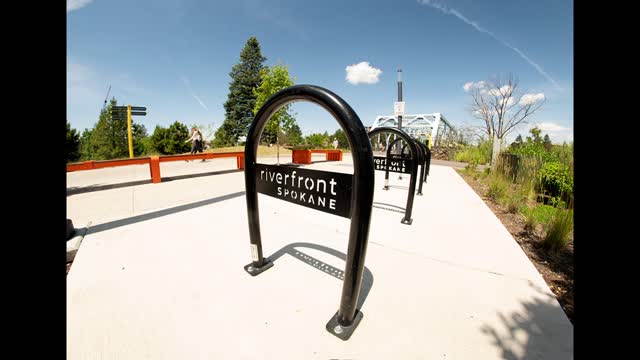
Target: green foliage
(555, 179)
(245, 77)
(221, 138)
(343, 142)
(558, 230)
(293, 136)
(318, 141)
(537, 146)
(530, 221)
(273, 80)
(172, 140)
(517, 143)
(108, 139)
(87, 148)
(140, 140)
(476, 154)
(543, 213)
(513, 202)
(72, 146)
(497, 188)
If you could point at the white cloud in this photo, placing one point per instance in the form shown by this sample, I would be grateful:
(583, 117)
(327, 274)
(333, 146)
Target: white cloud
(552, 127)
(528, 99)
(77, 4)
(510, 101)
(479, 85)
(362, 73)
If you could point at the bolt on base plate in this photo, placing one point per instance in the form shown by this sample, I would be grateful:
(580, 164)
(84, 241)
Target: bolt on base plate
(343, 332)
(253, 271)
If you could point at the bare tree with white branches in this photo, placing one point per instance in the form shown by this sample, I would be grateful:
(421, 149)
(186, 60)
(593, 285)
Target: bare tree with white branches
(499, 106)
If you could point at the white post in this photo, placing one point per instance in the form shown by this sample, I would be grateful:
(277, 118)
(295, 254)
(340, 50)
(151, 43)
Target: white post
(434, 127)
(495, 151)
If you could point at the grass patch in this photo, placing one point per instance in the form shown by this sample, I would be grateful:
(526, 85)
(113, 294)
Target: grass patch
(497, 188)
(513, 202)
(530, 221)
(558, 230)
(543, 213)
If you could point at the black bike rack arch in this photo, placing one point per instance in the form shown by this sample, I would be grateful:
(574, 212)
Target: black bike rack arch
(357, 206)
(427, 158)
(409, 163)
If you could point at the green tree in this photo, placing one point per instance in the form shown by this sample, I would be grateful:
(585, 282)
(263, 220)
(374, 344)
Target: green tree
(159, 139)
(535, 132)
(245, 77)
(87, 148)
(172, 140)
(318, 140)
(274, 79)
(220, 138)
(72, 145)
(343, 142)
(139, 132)
(517, 143)
(109, 137)
(293, 136)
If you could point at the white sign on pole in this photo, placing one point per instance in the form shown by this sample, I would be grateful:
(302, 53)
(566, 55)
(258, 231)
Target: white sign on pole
(398, 108)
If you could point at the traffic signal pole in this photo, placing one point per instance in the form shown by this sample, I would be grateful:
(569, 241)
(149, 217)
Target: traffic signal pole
(129, 132)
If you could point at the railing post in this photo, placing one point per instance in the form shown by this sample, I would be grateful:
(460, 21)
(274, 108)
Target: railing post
(154, 167)
(240, 161)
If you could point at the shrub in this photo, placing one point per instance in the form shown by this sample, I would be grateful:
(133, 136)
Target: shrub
(558, 230)
(556, 179)
(480, 154)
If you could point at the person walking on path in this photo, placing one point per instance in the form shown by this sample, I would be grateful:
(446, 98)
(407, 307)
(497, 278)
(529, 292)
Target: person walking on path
(195, 140)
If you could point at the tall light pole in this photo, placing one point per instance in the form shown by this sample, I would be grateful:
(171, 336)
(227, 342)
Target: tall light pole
(399, 96)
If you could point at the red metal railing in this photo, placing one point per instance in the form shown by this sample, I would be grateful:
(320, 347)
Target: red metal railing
(154, 162)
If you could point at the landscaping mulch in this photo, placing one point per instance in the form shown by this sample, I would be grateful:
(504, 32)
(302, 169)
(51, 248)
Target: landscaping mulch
(555, 267)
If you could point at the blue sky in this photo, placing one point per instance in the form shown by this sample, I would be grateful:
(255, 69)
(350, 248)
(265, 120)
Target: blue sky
(174, 56)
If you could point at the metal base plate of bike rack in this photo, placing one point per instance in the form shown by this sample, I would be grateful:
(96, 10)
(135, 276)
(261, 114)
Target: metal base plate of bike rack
(344, 332)
(253, 271)
(407, 222)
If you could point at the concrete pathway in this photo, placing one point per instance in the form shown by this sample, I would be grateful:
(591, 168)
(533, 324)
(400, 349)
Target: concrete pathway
(160, 275)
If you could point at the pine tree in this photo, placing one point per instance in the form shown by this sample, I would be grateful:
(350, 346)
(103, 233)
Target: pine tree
(109, 137)
(517, 143)
(73, 144)
(245, 77)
